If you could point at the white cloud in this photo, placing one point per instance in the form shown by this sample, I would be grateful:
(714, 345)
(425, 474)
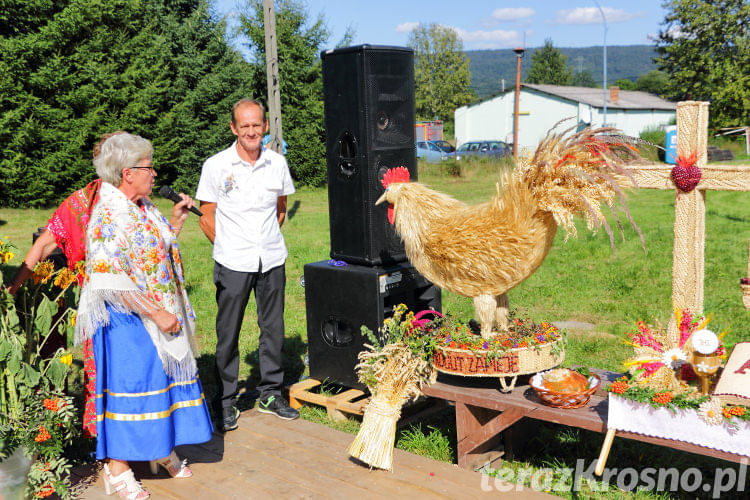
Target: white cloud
(491, 39)
(592, 15)
(509, 14)
(675, 31)
(407, 27)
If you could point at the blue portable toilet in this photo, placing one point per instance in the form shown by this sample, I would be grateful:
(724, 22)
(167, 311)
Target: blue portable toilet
(670, 145)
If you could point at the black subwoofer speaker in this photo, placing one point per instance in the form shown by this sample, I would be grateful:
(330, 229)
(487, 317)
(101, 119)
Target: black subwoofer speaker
(340, 300)
(369, 119)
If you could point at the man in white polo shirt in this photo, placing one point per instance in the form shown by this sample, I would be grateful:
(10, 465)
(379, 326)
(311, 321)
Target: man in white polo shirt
(243, 192)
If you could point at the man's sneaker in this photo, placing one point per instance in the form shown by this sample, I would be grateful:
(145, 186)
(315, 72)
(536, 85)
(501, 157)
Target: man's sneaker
(229, 418)
(276, 405)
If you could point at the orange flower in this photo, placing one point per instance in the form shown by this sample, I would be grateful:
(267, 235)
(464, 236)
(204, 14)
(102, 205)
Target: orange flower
(727, 413)
(101, 266)
(737, 410)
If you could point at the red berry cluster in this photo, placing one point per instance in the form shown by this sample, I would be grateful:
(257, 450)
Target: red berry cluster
(662, 398)
(619, 387)
(43, 435)
(737, 411)
(45, 491)
(51, 404)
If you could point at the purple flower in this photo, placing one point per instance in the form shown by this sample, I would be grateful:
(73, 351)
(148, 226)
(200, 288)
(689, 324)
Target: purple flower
(448, 339)
(485, 345)
(540, 338)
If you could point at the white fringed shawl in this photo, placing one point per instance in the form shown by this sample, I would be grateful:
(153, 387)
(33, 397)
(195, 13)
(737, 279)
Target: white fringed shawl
(133, 264)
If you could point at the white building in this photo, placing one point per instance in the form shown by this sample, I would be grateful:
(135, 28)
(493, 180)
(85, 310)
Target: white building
(542, 106)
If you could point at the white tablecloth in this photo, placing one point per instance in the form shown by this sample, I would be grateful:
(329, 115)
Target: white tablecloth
(682, 425)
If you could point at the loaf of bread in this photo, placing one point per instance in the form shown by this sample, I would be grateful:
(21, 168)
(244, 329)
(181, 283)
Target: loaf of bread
(565, 380)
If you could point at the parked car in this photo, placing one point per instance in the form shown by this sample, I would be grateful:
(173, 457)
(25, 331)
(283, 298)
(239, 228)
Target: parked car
(444, 145)
(431, 152)
(490, 149)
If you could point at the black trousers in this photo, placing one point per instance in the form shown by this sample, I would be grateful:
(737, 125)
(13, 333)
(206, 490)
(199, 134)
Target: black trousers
(232, 294)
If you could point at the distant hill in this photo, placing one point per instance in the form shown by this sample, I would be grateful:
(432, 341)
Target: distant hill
(488, 67)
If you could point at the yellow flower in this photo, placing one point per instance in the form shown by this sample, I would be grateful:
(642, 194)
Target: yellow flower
(73, 318)
(66, 359)
(8, 256)
(42, 272)
(65, 278)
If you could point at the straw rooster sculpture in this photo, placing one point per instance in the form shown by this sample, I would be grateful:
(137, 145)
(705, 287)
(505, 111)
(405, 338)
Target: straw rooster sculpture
(483, 251)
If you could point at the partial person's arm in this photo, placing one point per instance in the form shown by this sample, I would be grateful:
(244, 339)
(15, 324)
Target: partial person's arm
(208, 221)
(281, 209)
(138, 302)
(40, 250)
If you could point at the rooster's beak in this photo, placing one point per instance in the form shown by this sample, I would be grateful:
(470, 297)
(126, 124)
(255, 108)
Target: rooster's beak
(381, 199)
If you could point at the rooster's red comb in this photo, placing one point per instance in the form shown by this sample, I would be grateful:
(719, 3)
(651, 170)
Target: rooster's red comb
(398, 174)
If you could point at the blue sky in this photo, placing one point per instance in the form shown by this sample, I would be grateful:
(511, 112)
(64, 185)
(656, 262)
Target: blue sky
(486, 24)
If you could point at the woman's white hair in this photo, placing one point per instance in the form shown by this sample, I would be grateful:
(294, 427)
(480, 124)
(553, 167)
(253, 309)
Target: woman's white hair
(119, 152)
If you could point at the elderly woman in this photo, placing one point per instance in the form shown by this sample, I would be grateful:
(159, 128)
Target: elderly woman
(134, 306)
(66, 229)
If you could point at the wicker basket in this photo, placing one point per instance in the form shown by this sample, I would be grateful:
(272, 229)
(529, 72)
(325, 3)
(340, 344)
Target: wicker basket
(564, 399)
(512, 363)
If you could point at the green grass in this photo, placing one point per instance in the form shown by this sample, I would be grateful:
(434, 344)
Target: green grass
(580, 280)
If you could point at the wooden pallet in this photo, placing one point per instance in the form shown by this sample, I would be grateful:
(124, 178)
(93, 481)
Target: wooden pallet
(352, 401)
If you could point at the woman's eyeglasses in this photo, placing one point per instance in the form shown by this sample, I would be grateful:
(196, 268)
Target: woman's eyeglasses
(147, 168)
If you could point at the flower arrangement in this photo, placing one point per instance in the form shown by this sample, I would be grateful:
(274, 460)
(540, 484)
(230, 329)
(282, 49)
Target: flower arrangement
(522, 333)
(527, 347)
(660, 373)
(35, 415)
(394, 366)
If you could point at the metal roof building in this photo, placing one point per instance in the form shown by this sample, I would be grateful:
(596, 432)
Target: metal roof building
(542, 106)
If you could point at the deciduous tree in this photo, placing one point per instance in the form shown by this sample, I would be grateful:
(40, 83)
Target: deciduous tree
(441, 72)
(549, 65)
(704, 47)
(654, 82)
(583, 79)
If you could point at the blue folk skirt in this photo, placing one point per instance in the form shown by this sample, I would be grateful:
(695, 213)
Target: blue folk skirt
(141, 412)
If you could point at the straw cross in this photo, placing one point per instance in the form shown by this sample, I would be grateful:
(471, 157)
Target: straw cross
(690, 208)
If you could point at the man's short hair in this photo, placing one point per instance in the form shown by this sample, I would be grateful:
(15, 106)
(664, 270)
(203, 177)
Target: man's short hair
(243, 102)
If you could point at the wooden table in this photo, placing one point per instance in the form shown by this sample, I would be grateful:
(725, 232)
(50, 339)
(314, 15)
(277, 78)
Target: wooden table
(483, 412)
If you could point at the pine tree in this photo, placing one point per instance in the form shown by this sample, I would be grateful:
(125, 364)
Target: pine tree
(72, 70)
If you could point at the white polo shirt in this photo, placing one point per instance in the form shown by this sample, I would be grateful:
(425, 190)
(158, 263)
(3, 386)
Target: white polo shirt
(247, 226)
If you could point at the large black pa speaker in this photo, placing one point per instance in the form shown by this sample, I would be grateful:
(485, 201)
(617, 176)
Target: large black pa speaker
(369, 119)
(340, 300)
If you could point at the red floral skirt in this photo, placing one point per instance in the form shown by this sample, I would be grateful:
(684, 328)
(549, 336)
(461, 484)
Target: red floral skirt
(89, 390)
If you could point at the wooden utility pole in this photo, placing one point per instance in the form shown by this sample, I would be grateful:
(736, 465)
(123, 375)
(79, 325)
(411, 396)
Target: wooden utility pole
(272, 78)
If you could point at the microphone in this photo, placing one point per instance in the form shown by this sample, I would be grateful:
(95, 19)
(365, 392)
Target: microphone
(169, 193)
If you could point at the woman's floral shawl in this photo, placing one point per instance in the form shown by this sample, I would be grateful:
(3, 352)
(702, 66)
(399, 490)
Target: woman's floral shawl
(132, 261)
